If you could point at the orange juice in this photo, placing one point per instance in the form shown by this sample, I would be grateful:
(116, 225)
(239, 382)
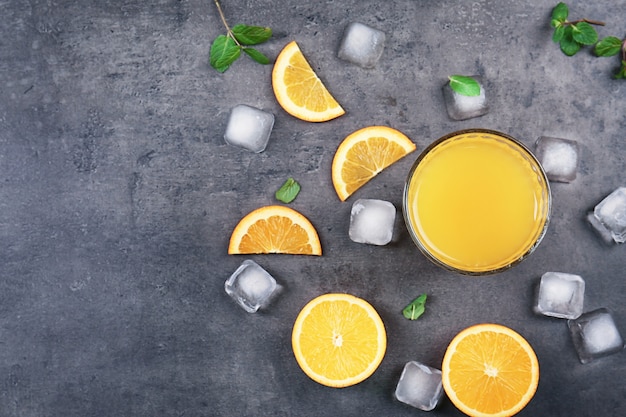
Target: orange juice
(477, 201)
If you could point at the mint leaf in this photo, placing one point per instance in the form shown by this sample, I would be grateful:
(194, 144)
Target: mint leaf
(251, 35)
(224, 51)
(464, 85)
(560, 12)
(584, 33)
(288, 191)
(256, 55)
(559, 31)
(415, 308)
(622, 72)
(568, 45)
(608, 46)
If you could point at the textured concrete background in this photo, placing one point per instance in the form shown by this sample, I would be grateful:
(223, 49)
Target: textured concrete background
(118, 196)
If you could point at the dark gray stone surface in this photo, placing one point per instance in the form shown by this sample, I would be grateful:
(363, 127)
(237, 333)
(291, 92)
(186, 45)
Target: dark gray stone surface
(118, 196)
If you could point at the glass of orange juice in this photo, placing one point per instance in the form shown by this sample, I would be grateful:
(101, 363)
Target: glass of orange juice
(477, 202)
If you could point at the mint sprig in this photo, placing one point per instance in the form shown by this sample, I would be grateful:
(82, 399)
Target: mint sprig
(415, 308)
(464, 85)
(572, 36)
(288, 191)
(226, 49)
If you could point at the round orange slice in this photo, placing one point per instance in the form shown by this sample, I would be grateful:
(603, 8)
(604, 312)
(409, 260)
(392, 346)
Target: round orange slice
(490, 370)
(274, 229)
(364, 154)
(338, 340)
(299, 90)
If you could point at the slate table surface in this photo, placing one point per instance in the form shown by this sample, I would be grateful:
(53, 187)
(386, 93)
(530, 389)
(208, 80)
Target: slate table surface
(118, 195)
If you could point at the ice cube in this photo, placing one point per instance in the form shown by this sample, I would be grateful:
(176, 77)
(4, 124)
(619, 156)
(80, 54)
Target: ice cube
(372, 221)
(595, 335)
(611, 213)
(249, 128)
(558, 157)
(361, 45)
(251, 286)
(462, 107)
(560, 295)
(419, 386)
(600, 229)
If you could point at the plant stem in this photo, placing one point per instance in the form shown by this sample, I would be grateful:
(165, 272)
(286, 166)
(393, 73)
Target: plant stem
(590, 21)
(228, 30)
(594, 22)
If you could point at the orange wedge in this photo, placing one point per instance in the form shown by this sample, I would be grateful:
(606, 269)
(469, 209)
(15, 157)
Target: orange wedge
(299, 90)
(363, 154)
(275, 229)
(490, 370)
(338, 340)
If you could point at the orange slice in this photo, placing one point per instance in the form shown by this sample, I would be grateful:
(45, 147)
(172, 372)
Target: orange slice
(363, 154)
(275, 229)
(338, 340)
(490, 370)
(299, 90)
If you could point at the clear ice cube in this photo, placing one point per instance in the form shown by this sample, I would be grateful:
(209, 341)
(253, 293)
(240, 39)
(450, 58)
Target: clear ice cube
(611, 215)
(251, 286)
(595, 335)
(249, 128)
(361, 45)
(558, 157)
(372, 221)
(600, 229)
(462, 107)
(419, 386)
(560, 295)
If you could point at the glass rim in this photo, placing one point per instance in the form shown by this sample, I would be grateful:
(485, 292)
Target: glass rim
(416, 239)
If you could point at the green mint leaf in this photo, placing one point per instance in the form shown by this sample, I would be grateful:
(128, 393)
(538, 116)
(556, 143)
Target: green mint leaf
(288, 191)
(464, 85)
(559, 31)
(560, 12)
(256, 55)
(568, 45)
(608, 46)
(415, 308)
(622, 72)
(224, 51)
(251, 35)
(584, 33)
